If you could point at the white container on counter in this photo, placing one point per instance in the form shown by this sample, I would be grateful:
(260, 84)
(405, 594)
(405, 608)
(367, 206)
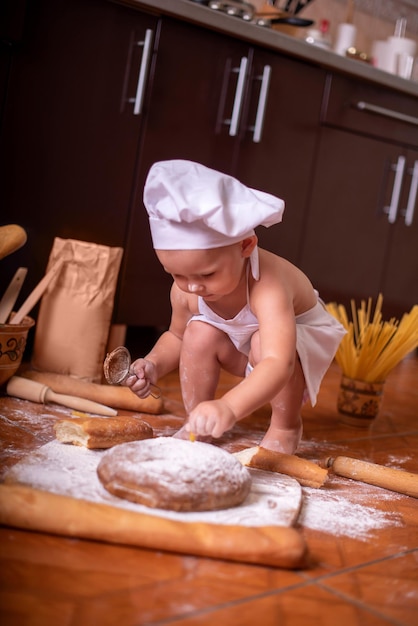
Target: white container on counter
(345, 38)
(395, 55)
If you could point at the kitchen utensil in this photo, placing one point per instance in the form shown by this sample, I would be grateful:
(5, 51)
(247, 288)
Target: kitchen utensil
(236, 8)
(291, 20)
(12, 237)
(374, 474)
(36, 294)
(116, 368)
(305, 472)
(32, 509)
(116, 397)
(11, 294)
(36, 392)
(289, 6)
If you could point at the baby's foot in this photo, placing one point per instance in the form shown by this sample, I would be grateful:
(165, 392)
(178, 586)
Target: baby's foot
(282, 439)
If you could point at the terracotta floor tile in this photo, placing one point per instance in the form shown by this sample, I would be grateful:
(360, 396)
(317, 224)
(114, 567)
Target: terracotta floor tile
(21, 608)
(389, 587)
(198, 591)
(297, 607)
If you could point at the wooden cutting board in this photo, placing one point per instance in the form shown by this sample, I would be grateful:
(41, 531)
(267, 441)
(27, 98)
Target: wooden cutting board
(56, 490)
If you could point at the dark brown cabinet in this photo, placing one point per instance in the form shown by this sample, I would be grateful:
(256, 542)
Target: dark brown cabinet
(400, 273)
(277, 140)
(97, 92)
(362, 228)
(70, 136)
(234, 108)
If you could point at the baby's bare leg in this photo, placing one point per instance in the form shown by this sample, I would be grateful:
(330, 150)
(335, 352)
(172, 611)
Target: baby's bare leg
(205, 350)
(285, 430)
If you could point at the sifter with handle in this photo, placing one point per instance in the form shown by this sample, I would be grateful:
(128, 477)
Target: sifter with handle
(116, 368)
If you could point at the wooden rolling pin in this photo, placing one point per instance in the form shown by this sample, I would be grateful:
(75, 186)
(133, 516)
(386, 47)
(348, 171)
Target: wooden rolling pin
(116, 397)
(32, 509)
(36, 392)
(373, 474)
(307, 473)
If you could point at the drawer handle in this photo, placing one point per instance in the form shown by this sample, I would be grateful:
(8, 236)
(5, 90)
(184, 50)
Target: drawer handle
(392, 209)
(239, 94)
(410, 207)
(143, 71)
(262, 101)
(395, 115)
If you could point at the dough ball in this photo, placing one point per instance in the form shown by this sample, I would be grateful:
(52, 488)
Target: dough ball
(174, 474)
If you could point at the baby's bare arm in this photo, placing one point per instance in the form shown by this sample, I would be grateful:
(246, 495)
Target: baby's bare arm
(165, 354)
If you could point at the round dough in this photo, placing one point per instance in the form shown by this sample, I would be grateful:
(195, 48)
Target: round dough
(174, 474)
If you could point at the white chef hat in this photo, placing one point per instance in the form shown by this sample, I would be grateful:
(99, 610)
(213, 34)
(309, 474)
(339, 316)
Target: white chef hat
(192, 207)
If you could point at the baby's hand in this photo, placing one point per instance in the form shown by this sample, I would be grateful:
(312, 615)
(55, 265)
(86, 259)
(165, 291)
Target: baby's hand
(141, 376)
(210, 418)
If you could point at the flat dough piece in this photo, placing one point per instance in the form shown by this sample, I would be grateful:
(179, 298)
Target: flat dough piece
(102, 432)
(175, 474)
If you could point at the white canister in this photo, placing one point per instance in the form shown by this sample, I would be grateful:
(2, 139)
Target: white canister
(399, 46)
(345, 38)
(381, 55)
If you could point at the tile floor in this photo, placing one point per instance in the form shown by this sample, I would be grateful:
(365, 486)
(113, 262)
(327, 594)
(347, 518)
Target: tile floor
(362, 540)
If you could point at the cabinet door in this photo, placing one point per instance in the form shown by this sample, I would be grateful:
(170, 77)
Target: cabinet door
(347, 232)
(277, 141)
(194, 83)
(400, 281)
(70, 137)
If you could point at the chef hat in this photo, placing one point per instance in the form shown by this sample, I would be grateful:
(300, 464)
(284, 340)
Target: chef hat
(192, 207)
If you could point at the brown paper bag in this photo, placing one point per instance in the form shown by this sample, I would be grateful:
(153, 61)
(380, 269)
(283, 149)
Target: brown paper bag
(76, 310)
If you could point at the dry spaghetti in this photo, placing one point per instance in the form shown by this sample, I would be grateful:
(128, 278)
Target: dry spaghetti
(373, 347)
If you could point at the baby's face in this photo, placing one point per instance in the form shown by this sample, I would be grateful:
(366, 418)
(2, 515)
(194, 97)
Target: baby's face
(208, 273)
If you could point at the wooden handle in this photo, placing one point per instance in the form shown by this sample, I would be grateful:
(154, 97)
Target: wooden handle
(11, 294)
(36, 294)
(306, 472)
(378, 475)
(37, 392)
(31, 509)
(116, 397)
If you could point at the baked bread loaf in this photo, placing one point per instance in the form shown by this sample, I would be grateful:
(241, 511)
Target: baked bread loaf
(175, 474)
(102, 432)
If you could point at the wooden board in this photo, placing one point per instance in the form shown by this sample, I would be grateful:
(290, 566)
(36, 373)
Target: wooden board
(62, 495)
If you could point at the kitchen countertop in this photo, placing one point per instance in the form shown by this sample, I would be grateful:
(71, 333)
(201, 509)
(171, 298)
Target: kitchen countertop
(199, 14)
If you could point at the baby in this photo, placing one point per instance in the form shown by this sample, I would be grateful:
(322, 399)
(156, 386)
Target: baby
(234, 307)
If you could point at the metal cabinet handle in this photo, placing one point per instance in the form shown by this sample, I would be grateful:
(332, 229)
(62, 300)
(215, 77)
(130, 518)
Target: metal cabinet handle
(262, 101)
(392, 209)
(410, 207)
(239, 93)
(372, 108)
(143, 71)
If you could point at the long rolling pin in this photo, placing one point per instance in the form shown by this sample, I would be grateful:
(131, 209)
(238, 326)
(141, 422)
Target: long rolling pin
(373, 474)
(306, 472)
(32, 509)
(114, 396)
(36, 392)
